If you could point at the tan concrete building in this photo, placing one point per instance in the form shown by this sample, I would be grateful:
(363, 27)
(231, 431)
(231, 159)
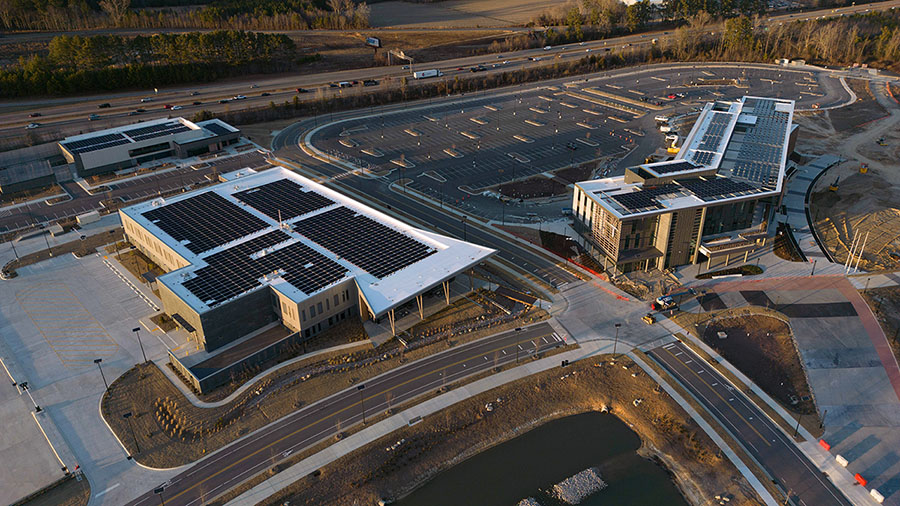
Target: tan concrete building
(715, 199)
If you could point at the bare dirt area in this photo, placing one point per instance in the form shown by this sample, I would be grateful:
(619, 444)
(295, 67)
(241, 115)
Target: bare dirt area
(262, 133)
(461, 431)
(865, 204)
(69, 491)
(864, 110)
(885, 303)
(457, 13)
(762, 348)
(171, 431)
(532, 188)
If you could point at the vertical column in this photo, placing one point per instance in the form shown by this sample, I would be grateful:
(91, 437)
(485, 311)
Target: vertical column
(446, 285)
(746, 255)
(391, 319)
(699, 237)
(421, 308)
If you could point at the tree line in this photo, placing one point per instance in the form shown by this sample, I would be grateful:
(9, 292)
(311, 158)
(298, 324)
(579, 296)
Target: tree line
(76, 64)
(64, 15)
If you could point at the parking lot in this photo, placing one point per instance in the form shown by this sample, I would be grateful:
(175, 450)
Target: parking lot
(462, 152)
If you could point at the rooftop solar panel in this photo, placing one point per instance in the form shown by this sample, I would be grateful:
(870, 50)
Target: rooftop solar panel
(204, 221)
(716, 188)
(217, 129)
(375, 248)
(669, 168)
(159, 130)
(283, 197)
(645, 199)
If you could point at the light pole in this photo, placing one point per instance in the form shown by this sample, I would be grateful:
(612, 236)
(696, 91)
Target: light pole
(158, 491)
(464, 227)
(137, 332)
(137, 447)
(98, 361)
(12, 243)
(814, 268)
(797, 428)
(616, 342)
(362, 401)
(24, 386)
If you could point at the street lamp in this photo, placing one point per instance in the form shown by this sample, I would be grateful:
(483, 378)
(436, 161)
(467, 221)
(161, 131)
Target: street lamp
(137, 332)
(98, 361)
(24, 386)
(616, 342)
(464, 218)
(127, 416)
(362, 401)
(158, 491)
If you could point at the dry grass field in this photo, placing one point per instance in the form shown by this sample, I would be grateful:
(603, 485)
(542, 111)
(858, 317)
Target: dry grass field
(459, 13)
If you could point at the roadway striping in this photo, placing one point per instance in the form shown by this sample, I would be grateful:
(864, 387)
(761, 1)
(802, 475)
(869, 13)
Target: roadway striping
(342, 410)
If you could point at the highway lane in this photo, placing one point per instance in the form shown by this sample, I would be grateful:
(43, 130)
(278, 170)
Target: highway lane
(759, 435)
(72, 113)
(247, 457)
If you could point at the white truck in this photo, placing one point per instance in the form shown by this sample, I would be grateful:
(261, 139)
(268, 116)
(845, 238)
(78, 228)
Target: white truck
(422, 74)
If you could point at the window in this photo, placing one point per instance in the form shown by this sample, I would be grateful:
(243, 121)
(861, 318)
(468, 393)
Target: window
(320, 308)
(336, 301)
(330, 322)
(312, 311)
(306, 333)
(327, 304)
(303, 312)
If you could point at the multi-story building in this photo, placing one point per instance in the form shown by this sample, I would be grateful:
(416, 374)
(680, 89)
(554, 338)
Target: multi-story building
(715, 198)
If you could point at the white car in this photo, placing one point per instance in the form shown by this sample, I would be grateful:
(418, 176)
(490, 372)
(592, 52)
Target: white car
(253, 86)
(547, 48)
(176, 108)
(588, 50)
(32, 126)
(146, 99)
(506, 62)
(239, 97)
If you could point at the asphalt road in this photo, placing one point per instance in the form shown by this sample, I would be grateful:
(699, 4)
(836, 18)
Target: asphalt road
(247, 457)
(69, 114)
(759, 435)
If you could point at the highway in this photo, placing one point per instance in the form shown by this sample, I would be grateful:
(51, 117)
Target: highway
(69, 114)
(246, 457)
(760, 437)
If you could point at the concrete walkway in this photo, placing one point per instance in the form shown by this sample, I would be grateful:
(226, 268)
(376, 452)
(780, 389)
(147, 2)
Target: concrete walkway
(383, 428)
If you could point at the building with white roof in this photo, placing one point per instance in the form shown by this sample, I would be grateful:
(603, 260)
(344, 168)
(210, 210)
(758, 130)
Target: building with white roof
(715, 198)
(275, 246)
(121, 147)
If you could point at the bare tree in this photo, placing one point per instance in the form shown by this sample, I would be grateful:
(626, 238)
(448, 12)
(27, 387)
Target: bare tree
(116, 9)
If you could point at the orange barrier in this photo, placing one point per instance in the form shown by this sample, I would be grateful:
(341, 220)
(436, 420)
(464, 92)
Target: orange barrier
(862, 481)
(825, 445)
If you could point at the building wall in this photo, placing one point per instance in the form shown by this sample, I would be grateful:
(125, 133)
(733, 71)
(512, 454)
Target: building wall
(683, 232)
(323, 310)
(729, 217)
(233, 320)
(161, 254)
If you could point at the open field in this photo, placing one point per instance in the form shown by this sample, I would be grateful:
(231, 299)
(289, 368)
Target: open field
(466, 428)
(458, 13)
(68, 491)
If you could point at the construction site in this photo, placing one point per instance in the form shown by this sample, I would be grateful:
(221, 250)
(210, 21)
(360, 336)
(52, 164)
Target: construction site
(855, 205)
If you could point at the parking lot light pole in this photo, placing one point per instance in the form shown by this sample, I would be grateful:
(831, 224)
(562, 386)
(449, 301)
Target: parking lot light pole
(127, 416)
(464, 227)
(616, 342)
(137, 332)
(24, 386)
(362, 401)
(159, 491)
(98, 361)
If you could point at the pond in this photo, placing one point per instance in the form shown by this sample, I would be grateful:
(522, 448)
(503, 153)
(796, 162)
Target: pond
(529, 466)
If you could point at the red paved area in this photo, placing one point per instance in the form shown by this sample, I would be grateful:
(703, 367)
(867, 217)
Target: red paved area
(841, 284)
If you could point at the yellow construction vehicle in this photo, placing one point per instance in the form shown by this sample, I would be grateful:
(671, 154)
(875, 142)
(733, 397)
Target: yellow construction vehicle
(649, 319)
(863, 168)
(834, 186)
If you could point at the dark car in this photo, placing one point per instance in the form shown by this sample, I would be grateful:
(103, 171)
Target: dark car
(195, 93)
(302, 90)
(140, 110)
(370, 82)
(35, 115)
(197, 102)
(264, 94)
(224, 101)
(133, 113)
(332, 85)
(104, 105)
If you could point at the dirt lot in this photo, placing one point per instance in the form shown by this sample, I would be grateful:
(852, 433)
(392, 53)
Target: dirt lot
(458, 13)
(80, 248)
(762, 348)
(65, 492)
(864, 203)
(171, 431)
(466, 428)
(8, 199)
(885, 303)
(783, 247)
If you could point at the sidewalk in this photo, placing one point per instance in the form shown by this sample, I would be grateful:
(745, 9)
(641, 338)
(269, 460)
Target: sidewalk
(358, 440)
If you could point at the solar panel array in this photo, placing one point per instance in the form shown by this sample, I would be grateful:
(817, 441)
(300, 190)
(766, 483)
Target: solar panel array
(712, 137)
(645, 198)
(717, 188)
(240, 268)
(760, 153)
(204, 221)
(703, 157)
(375, 248)
(669, 168)
(217, 128)
(284, 196)
(95, 143)
(159, 130)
